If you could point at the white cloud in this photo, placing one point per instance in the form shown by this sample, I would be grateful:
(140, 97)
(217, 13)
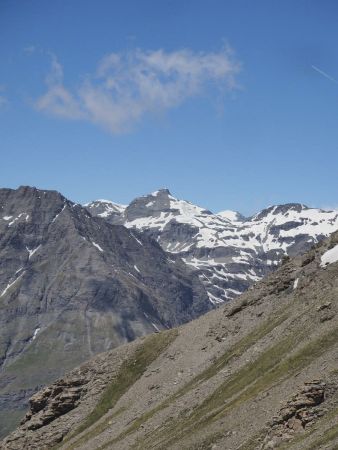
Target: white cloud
(126, 87)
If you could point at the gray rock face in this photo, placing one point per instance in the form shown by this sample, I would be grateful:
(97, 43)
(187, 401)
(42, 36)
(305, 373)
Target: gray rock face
(229, 252)
(73, 285)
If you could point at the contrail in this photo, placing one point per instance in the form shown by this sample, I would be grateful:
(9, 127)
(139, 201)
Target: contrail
(326, 75)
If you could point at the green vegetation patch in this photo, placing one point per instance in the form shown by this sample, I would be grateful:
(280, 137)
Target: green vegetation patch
(131, 370)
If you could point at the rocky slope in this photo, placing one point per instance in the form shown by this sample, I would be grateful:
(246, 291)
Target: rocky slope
(71, 286)
(229, 252)
(259, 373)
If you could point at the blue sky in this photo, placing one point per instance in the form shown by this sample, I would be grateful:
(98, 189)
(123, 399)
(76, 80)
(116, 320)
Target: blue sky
(229, 104)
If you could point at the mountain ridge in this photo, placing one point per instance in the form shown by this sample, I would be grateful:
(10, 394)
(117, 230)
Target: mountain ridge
(228, 251)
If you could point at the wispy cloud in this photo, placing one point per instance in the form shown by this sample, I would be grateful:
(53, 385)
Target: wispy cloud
(58, 100)
(324, 74)
(127, 86)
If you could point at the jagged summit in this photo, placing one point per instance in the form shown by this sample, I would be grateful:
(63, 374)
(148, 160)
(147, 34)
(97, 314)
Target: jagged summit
(160, 192)
(162, 205)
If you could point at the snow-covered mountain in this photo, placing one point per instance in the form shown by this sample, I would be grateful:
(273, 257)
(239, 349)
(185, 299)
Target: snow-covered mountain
(229, 252)
(105, 208)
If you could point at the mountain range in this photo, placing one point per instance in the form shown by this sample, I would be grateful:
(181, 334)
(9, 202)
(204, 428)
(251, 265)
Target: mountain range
(228, 251)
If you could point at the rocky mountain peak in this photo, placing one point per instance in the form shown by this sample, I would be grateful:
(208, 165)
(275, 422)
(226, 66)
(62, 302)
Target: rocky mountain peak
(284, 209)
(161, 193)
(163, 206)
(148, 205)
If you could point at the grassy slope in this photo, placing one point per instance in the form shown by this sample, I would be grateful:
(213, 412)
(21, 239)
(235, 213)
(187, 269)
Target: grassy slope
(130, 371)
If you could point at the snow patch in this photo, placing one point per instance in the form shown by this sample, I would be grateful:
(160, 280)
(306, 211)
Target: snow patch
(215, 300)
(31, 252)
(137, 240)
(97, 246)
(155, 326)
(9, 285)
(35, 333)
(330, 256)
(57, 215)
(232, 216)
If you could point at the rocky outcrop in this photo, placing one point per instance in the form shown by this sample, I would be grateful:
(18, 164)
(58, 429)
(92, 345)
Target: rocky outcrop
(299, 413)
(52, 402)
